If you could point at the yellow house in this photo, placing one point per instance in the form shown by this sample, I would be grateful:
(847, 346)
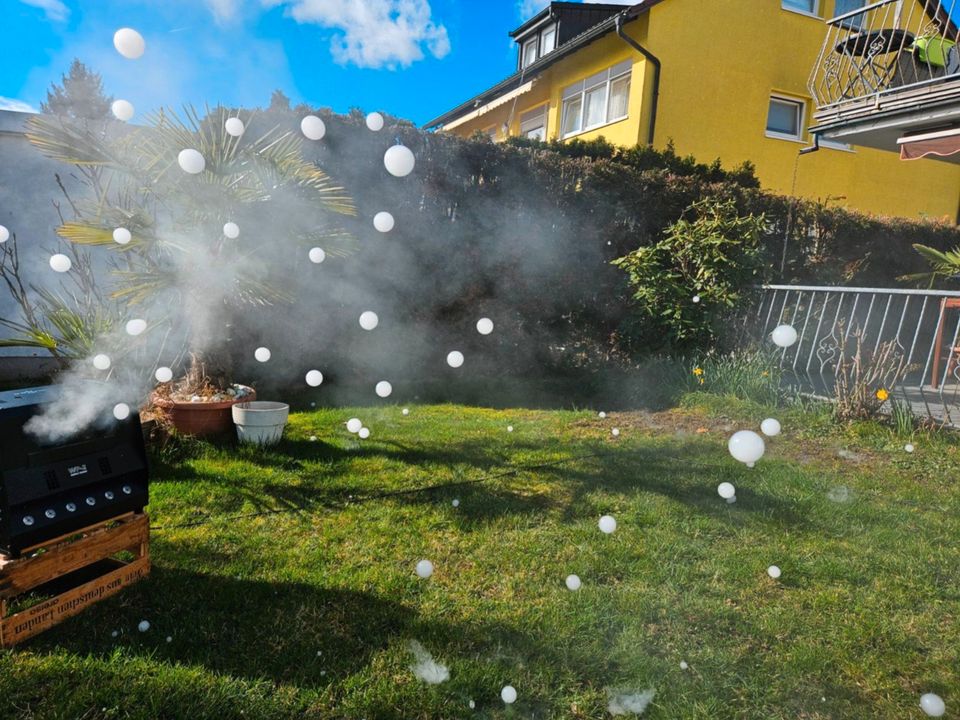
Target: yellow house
(718, 78)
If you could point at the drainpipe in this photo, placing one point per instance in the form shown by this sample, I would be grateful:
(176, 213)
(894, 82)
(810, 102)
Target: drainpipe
(653, 60)
(813, 148)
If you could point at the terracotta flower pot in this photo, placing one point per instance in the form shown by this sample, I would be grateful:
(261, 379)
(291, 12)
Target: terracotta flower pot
(202, 418)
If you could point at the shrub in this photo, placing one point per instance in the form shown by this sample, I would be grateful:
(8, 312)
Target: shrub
(864, 378)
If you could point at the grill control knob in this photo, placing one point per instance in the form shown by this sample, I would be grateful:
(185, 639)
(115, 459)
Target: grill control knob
(28, 520)
(51, 513)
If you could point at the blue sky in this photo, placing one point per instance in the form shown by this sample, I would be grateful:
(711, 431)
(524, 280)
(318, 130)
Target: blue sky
(411, 58)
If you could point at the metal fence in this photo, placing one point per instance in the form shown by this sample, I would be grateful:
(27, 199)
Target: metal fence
(922, 325)
(885, 46)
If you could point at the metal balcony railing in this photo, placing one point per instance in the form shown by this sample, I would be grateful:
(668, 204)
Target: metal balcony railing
(884, 47)
(919, 328)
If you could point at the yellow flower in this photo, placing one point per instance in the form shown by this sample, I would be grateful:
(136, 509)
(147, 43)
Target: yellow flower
(701, 380)
(698, 371)
(882, 395)
(764, 373)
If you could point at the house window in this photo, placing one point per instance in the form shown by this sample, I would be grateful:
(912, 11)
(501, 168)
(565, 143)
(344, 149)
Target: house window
(533, 124)
(844, 6)
(529, 53)
(808, 7)
(785, 119)
(597, 100)
(548, 39)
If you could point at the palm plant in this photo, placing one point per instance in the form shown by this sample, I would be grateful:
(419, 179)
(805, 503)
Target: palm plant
(943, 264)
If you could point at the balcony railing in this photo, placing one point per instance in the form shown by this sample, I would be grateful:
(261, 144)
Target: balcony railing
(886, 47)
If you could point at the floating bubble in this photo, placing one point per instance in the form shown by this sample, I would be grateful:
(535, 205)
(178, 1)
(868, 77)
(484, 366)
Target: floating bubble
(314, 378)
(629, 702)
(932, 705)
(231, 230)
(683, 665)
(908, 447)
(136, 326)
(484, 326)
(770, 427)
(399, 161)
(773, 571)
(129, 43)
(425, 667)
(384, 389)
(696, 298)
(363, 433)
(839, 494)
(375, 121)
(143, 626)
(424, 568)
(60, 263)
(234, 126)
(601, 414)
(383, 221)
(262, 354)
(163, 374)
(509, 428)
(726, 490)
(354, 425)
(122, 236)
(122, 110)
(455, 359)
(317, 255)
(121, 411)
(573, 582)
(405, 411)
(607, 524)
(191, 161)
(615, 432)
(784, 336)
(746, 446)
(101, 361)
(4, 234)
(313, 128)
(455, 503)
(471, 704)
(369, 320)
(508, 694)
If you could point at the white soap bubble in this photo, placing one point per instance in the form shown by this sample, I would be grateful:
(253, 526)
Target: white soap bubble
(314, 378)
(4, 234)
(683, 665)
(121, 411)
(784, 336)
(231, 230)
(424, 568)
(369, 320)
(696, 298)
(313, 127)
(354, 425)
(122, 236)
(508, 694)
(471, 704)
(234, 126)
(191, 161)
(601, 414)
(60, 263)
(573, 582)
(406, 411)
(313, 438)
(455, 359)
(484, 326)
(143, 626)
(375, 121)
(509, 428)
(101, 361)
(136, 326)
(773, 571)
(384, 389)
(383, 221)
(262, 354)
(607, 524)
(363, 433)
(456, 503)
(932, 705)
(908, 447)
(770, 427)
(163, 374)
(129, 43)
(122, 110)
(746, 446)
(726, 490)
(615, 432)
(317, 255)
(399, 161)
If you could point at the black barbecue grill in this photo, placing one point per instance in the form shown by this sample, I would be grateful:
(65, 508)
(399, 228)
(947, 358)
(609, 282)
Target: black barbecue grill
(52, 489)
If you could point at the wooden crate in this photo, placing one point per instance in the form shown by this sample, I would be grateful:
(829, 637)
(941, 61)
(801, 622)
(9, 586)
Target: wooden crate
(64, 568)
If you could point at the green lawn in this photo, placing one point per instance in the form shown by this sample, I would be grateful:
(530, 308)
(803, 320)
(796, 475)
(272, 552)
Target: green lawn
(310, 613)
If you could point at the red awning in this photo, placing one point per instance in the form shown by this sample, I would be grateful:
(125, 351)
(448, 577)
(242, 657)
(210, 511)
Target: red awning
(943, 143)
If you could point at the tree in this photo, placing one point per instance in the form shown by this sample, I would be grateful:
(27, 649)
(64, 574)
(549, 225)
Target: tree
(279, 102)
(80, 97)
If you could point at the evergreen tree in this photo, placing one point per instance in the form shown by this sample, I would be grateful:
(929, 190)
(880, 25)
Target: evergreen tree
(80, 97)
(279, 102)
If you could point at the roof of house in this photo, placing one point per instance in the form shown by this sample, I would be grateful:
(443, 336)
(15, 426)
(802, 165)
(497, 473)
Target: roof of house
(552, 7)
(627, 12)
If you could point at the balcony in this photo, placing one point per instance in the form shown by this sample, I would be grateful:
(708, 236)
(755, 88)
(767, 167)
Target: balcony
(887, 70)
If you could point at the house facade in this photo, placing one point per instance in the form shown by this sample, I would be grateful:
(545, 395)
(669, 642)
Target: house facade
(723, 79)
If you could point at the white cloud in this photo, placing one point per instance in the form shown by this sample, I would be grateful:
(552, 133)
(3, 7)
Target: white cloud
(54, 9)
(16, 105)
(373, 33)
(223, 10)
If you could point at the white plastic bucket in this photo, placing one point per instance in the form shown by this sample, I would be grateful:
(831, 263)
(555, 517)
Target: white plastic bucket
(260, 422)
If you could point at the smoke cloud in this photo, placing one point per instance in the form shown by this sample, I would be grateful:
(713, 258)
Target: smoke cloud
(425, 667)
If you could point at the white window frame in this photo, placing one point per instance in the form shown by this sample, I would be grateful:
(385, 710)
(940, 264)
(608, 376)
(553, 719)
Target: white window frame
(543, 49)
(533, 115)
(535, 42)
(815, 13)
(801, 119)
(835, 145)
(604, 79)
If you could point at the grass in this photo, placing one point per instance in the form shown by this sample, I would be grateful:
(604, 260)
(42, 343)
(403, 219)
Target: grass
(308, 612)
